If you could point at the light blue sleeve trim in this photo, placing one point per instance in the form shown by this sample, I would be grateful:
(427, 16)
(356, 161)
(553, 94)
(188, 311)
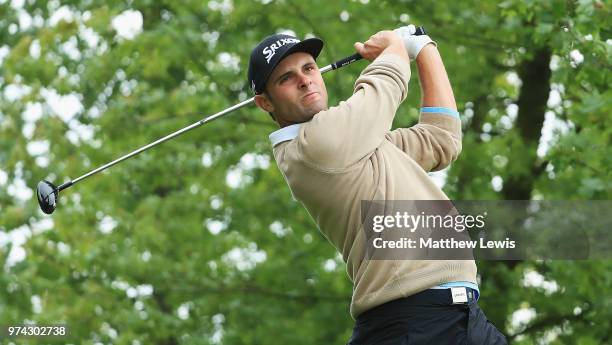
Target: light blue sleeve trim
(460, 284)
(441, 110)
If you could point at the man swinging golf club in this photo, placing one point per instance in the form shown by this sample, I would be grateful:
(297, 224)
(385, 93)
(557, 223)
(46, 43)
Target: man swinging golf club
(333, 158)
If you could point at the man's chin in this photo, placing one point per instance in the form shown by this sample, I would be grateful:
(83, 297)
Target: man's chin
(316, 108)
(311, 111)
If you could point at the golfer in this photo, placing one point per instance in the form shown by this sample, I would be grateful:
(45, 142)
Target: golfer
(333, 158)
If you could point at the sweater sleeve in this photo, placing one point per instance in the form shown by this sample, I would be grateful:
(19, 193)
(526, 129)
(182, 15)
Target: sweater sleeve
(433, 143)
(340, 136)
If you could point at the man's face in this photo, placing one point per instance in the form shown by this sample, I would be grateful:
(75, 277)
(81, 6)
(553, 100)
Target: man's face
(295, 91)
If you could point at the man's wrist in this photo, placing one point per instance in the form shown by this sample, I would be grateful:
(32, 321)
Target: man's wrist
(427, 51)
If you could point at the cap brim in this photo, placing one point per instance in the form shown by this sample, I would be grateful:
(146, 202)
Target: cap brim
(312, 46)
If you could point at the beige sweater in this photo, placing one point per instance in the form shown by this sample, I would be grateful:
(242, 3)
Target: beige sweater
(347, 154)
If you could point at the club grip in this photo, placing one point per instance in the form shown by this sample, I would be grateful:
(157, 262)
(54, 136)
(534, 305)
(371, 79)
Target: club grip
(355, 57)
(420, 31)
(346, 61)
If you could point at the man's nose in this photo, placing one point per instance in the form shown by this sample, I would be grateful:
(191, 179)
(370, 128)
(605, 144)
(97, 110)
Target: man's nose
(304, 80)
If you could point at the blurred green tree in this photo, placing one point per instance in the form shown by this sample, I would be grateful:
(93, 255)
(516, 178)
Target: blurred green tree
(199, 241)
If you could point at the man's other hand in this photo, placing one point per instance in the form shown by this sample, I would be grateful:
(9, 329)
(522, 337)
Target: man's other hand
(413, 43)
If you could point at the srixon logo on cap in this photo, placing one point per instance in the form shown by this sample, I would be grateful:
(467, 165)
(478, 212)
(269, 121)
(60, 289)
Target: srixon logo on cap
(270, 50)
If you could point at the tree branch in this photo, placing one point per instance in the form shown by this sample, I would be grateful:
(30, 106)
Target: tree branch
(545, 323)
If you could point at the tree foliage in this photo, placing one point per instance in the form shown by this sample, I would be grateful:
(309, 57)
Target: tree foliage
(198, 241)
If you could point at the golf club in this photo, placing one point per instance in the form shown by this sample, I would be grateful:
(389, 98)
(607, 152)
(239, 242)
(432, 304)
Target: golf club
(48, 194)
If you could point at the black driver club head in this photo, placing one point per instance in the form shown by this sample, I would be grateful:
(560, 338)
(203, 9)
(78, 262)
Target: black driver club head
(47, 195)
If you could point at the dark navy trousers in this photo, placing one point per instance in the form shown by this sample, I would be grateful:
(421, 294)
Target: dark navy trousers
(426, 318)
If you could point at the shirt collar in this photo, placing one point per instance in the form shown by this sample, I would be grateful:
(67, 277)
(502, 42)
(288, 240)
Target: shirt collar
(285, 134)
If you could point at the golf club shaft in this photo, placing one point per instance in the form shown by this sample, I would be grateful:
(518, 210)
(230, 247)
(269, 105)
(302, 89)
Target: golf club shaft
(158, 141)
(188, 128)
(340, 63)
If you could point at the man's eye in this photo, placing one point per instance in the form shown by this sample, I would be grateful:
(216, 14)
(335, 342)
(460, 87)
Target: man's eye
(284, 79)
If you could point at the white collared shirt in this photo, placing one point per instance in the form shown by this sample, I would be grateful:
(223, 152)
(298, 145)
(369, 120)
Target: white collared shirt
(285, 134)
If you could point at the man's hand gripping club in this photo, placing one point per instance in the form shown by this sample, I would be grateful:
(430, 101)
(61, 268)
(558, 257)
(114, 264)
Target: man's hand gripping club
(382, 41)
(412, 44)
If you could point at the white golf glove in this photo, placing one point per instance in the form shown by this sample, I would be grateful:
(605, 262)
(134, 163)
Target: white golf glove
(413, 43)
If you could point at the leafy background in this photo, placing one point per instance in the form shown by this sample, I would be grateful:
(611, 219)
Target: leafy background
(198, 240)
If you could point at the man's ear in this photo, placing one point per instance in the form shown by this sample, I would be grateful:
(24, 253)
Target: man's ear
(264, 103)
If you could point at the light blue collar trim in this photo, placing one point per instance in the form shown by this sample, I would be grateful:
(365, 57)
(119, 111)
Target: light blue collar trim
(284, 134)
